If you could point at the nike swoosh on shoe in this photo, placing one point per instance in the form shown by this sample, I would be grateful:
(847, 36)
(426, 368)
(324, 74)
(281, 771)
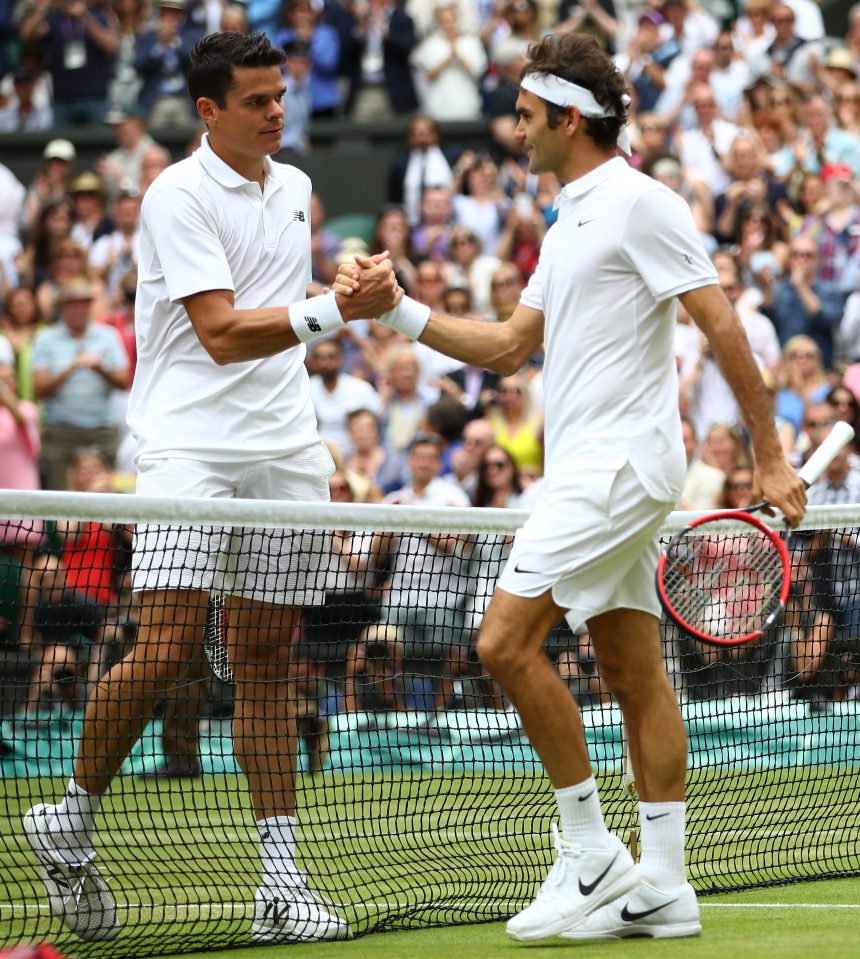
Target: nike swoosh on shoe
(587, 888)
(628, 916)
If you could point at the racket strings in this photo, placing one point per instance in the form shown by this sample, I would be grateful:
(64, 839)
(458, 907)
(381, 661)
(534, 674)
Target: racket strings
(724, 584)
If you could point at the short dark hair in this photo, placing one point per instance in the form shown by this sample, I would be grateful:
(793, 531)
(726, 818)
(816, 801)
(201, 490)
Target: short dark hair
(215, 57)
(577, 57)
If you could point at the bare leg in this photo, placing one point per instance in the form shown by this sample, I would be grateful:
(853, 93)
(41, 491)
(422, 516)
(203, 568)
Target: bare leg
(121, 704)
(180, 734)
(512, 634)
(627, 646)
(259, 637)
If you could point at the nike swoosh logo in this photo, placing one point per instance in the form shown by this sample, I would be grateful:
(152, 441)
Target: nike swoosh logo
(586, 796)
(660, 815)
(583, 222)
(628, 916)
(517, 569)
(587, 888)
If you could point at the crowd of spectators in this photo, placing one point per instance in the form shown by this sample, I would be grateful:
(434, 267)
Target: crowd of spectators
(750, 113)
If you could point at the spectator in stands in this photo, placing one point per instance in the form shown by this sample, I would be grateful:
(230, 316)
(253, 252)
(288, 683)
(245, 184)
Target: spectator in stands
(449, 65)
(596, 17)
(426, 163)
(336, 394)
(649, 56)
(846, 409)
(89, 210)
(50, 184)
(392, 233)
(302, 22)
(763, 255)
(162, 58)
(374, 671)
(479, 203)
(847, 99)
(470, 267)
(518, 428)
(430, 283)
(30, 58)
(788, 57)
(522, 235)
(330, 631)
(750, 185)
(21, 112)
(75, 366)
(799, 304)
(68, 260)
(404, 404)
(737, 492)
(466, 459)
(381, 79)
(472, 386)
(675, 104)
(704, 482)
(432, 236)
(80, 40)
(422, 594)
(506, 285)
(820, 141)
(839, 556)
(369, 459)
(649, 138)
(115, 253)
(18, 325)
(297, 96)
(509, 57)
(154, 160)
(122, 168)
(804, 380)
(498, 480)
(837, 229)
(19, 469)
(704, 148)
(124, 89)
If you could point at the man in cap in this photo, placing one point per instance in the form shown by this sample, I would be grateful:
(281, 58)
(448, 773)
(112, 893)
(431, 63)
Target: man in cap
(51, 183)
(88, 206)
(121, 169)
(76, 365)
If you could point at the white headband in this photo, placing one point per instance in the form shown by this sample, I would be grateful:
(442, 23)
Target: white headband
(563, 93)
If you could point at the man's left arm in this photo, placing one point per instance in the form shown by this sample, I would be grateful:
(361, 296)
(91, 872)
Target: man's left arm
(775, 480)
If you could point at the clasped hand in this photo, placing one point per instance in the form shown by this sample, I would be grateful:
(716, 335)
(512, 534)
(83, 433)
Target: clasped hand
(370, 285)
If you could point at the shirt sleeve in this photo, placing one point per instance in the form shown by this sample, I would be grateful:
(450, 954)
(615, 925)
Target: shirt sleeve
(661, 241)
(186, 243)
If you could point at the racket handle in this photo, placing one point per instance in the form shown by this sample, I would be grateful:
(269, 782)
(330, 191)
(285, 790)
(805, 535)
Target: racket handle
(841, 434)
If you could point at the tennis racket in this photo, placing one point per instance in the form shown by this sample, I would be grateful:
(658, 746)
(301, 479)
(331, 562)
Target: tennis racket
(214, 641)
(726, 586)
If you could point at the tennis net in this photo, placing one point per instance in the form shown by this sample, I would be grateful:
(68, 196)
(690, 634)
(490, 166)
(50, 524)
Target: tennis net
(420, 801)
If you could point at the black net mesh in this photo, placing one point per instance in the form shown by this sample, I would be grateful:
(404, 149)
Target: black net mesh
(419, 799)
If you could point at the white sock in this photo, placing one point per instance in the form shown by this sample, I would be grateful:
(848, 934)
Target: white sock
(581, 816)
(74, 819)
(278, 851)
(661, 832)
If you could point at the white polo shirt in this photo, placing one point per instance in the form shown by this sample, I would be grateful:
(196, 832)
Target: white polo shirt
(623, 247)
(205, 227)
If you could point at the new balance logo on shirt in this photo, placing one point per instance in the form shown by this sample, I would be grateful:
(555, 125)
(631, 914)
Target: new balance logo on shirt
(299, 215)
(313, 324)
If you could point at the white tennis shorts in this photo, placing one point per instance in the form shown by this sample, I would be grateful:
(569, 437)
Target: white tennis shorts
(592, 540)
(281, 566)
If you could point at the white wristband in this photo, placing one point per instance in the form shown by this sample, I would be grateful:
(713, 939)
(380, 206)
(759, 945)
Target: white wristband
(409, 317)
(316, 317)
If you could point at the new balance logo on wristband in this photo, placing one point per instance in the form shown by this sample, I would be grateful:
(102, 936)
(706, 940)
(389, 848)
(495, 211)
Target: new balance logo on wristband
(299, 215)
(313, 324)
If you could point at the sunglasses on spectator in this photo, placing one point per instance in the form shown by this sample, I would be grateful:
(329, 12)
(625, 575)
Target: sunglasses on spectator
(740, 486)
(510, 389)
(804, 254)
(503, 281)
(495, 464)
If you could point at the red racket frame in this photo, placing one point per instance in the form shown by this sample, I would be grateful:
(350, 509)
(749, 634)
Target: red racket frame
(742, 516)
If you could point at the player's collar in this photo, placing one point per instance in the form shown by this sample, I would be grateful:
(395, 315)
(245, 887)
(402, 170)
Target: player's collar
(223, 172)
(576, 188)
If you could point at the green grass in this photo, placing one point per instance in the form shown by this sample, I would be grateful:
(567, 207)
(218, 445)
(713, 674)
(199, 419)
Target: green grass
(402, 850)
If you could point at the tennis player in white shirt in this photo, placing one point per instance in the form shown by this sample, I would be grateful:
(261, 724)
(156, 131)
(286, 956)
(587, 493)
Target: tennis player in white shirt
(220, 408)
(603, 300)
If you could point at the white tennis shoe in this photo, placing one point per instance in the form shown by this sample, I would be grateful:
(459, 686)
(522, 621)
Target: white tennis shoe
(580, 881)
(643, 912)
(294, 913)
(77, 894)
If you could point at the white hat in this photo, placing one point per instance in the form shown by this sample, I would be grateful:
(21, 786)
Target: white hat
(60, 150)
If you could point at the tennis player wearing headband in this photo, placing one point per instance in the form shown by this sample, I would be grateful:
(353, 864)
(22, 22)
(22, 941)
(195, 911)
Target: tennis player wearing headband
(603, 301)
